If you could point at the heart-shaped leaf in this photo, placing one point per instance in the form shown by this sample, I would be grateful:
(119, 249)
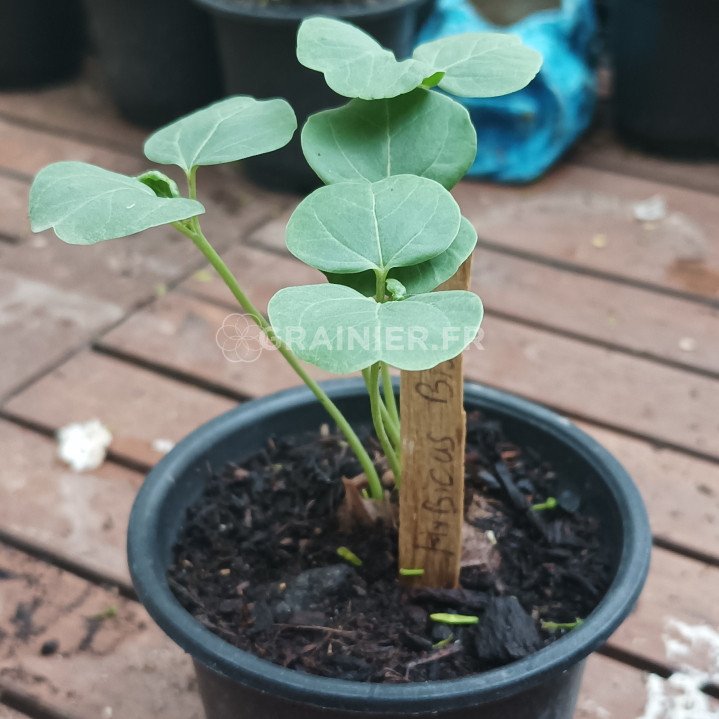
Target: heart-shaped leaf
(85, 204)
(421, 133)
(421, 278)
(356, 226)
(229, 130)
(355, 64)
(340, 331)
(481, 64)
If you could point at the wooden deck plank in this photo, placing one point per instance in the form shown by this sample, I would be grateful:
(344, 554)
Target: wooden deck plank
(603, 386)
(138, 406)
(8, 713)
(602, 150)
(679, 590)
(179, 333)
(14, 223)
(582, 218)
(126, 273)
(611, 690)
(25, 151)
(40, 325)
(125, 670)
(79, 517)
(81, 108)
(681, 492)
(601, 310)
(665, 328)
(261, 273)
(629, 393)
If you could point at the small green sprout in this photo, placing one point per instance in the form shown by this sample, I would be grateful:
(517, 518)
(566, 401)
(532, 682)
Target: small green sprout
(109, 613)
(411, 572)
(549, 503)
(458, 620)
(442, 643)
(349, 556)
(556, 626)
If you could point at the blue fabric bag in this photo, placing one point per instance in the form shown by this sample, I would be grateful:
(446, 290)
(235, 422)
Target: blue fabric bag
(520, 136)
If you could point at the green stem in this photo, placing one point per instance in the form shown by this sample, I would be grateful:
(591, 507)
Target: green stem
(198, 238)
(389, 397)
(390, 425)
(376, 405)
(192, 187)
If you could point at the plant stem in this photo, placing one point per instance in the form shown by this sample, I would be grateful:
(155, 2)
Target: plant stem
(390, 426)
(376, 405)
(389, 398)
(198, 238)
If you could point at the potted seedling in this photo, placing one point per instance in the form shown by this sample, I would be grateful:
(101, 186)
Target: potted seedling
(331, 551)
(256, 41)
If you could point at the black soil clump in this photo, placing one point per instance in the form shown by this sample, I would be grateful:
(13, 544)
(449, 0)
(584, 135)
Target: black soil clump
(257, 564)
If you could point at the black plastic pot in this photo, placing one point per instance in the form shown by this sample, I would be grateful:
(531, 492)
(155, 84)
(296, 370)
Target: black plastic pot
(236, 684)
(158, 57)
(666, 61)
(258, 49)
(41, 41)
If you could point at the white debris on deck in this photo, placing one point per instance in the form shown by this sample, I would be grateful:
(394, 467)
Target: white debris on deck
(695, 650)
(83, 445)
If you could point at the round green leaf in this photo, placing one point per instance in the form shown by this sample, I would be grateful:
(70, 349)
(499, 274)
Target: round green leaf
(229, 130)
(355, 226)
(421, 278)
(421, 133)
(341, 331)
(355, 64)
(85, 204)
(481, 64)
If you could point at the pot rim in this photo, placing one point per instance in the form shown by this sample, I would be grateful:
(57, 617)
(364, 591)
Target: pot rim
(148, 574)
(287, 12)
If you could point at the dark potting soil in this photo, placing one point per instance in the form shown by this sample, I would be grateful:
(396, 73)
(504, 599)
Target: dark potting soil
(257, 563)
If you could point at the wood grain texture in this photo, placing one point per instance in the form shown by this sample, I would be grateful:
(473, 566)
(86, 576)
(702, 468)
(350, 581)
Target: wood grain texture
(431, 496)
(78, 517)
(582, 219)
(138, 406)
(124, 669)
(602, 150)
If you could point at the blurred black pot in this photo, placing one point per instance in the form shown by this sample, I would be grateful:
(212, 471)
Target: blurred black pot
(666, 64)
(257, 46)
(41, 41)
(158, 57)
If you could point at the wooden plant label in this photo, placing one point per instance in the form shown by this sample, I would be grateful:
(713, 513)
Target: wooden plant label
(432, 489)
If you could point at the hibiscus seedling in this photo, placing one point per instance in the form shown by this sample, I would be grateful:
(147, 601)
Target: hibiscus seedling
(385, 229)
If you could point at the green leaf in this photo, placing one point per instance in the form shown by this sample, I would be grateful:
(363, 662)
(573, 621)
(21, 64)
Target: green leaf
(355, 64)
(421, 278)
(396, 290)
(341, 331)
(159, 183)
(229, 130)
(85, 204)
(421, 133)
(481, 64)
(355, 226)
